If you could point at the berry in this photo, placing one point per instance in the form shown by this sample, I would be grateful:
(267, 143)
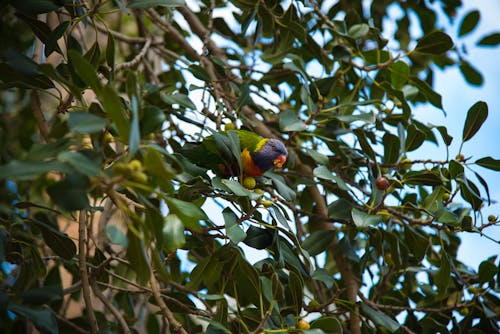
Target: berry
(382, 183)
(249, 182)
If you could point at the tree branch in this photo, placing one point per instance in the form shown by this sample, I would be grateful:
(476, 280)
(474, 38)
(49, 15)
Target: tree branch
(82, 262)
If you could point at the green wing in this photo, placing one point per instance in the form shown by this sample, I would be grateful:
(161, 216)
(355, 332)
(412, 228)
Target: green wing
(248, 139)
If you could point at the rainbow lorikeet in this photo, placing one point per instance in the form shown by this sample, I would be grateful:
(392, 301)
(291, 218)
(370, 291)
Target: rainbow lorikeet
(218, 152)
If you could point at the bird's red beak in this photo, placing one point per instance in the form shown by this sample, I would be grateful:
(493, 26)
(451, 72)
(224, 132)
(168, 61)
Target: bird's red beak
(280, 161)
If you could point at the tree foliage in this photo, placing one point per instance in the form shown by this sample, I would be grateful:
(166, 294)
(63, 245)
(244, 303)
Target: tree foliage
(106, 226)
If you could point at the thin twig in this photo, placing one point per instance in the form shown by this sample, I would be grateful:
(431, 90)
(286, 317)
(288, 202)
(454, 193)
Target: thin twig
(137, 58)
(116, 313)
(176, 325)
(82, 262)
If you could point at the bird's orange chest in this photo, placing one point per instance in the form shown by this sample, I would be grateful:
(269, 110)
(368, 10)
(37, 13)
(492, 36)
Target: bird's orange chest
(249, 167)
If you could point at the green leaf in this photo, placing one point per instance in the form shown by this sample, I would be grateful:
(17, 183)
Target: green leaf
(199, 72)
(116, 236)
(114, 108)
(180, 99)
(289, 122)
(469, 22)
(435, 43)
(324, 276)
(110, 51)
(71, 192)
(173, 233)
(27, 170)
(329, 325)
(80, 162)
(444, 134)
(414, 138)
(318, 241)
(189, 213)
(43, 295)
(282, 188)
(427, 178)
(490, 40)
(43, 319)
(322, 172)
(442, 276)
(318, 157)
(380, 319)
(86, 71)
(358, 30)
(143, 4)
(233, 229)
(85, 122)
(60, 243)
(487, 271)
(136, 254)
(490, 163)
(391, 148)
(424, 88)
(476, 116)
(258, 238)
(471, 75)
(399, 74)
(36, 6)
(363, 220)
(236, 188)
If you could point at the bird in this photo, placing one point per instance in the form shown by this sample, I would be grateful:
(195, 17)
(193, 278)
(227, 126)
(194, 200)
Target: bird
(258, 154)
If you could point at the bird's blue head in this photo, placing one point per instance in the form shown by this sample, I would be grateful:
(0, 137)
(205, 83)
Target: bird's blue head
(270, 153)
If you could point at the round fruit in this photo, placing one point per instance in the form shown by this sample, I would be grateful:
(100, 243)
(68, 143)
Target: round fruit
(135, 165)
(302, 324)
(267, 203)
(460, 157)
(249, 182)
(382, 183)
(229, 126)
(492, 218)
(405, 164)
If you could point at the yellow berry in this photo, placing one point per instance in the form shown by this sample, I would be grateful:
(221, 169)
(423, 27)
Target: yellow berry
(405, 164)
(492, 218)
(135, 165)
(267, 203)
(302, 324)
(229, 126)
(121, 168)
(259, 191)
(140, 177)
(249, 182)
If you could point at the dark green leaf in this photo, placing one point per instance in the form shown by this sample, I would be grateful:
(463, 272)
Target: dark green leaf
(427, 178)
(85, 70)
(490, 163)
(199, 72)
(43, 295)
(71, 192)
(324, 276)
(424, 88)
(80, 162)
(258, 238)
(180, 99)
(435, 43)
(173, 233)
(36, 6)
(380, 319)
(442, 276)
(136, 254)
(476, 116)
(490, 40)
(143, 4)
(318, 241)
(414, 138)
(391, 148)
(85, 122)
(329, 325)
(471, 75)
(289, 122)
(456, 169)
(114, 108)
(487, 271)
(470, 193)
(469, 22)
(43, 319)
(110, 51)
(444, 134)
(59, 242)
